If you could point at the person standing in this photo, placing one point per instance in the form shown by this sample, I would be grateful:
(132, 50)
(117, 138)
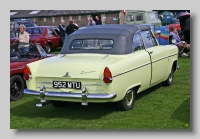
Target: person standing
(91, 22)
(98, 21)
(62, 29)
(71, 27)
(23, 36)
(187, 31)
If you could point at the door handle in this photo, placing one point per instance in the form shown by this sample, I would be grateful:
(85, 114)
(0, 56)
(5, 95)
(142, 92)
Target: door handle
(151, 52)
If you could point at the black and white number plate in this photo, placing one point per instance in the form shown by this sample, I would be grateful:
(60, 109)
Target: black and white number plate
(64, 84)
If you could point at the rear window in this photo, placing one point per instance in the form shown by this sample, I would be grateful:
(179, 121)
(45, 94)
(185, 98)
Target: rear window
(91, 44)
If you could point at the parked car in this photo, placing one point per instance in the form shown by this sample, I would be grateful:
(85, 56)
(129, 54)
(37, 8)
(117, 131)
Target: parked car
(135, 17)
(111, 64)
(14, 25)
(19, 57)
(47, 36)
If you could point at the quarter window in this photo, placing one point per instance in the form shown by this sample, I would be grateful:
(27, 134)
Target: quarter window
(50, 32)
(148, 39)
(137, 42)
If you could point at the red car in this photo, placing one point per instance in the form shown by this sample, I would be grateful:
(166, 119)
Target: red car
(47, 36)
(20, 55)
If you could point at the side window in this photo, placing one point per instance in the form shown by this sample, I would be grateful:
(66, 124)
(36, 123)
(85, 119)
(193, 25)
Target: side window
(153, 16)
(57, 31)
(148, 39)
(51, 32)
(139, 17)
(137, 42)
(129, 18)
(29, 30)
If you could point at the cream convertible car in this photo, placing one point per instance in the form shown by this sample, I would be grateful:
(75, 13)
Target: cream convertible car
(107, 63)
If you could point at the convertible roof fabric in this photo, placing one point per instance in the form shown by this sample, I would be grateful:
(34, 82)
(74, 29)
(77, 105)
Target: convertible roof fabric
(122, 35)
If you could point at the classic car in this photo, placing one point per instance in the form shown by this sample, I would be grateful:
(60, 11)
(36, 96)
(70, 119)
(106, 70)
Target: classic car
(108, 63)
(135, 17)
(47, 36)
(19, 57)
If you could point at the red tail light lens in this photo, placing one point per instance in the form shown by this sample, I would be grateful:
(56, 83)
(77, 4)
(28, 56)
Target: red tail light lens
(107, 76)
(27, 73)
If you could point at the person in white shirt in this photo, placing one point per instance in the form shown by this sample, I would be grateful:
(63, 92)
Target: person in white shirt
(23, 36)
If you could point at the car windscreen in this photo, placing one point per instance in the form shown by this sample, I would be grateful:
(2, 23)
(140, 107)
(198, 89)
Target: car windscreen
(91, 44)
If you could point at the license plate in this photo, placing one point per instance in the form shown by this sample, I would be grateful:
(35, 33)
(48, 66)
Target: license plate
(64, 84)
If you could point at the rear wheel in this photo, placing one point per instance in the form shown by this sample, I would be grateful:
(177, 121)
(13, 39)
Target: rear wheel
(16, 87)
(48, 48)
(170, 79)
(128, 101)
(58, 104)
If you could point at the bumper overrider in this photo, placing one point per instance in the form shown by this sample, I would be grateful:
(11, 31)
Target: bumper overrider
(84, 95)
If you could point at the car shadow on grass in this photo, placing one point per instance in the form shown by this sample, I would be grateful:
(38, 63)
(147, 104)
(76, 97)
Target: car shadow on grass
(73, 110)
(148, 91)
(182, 113)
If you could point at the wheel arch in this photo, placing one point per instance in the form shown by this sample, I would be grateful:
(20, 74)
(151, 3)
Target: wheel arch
(21, 75)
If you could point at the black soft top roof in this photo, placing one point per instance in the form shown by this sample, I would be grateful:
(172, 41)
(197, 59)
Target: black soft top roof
(122, 35)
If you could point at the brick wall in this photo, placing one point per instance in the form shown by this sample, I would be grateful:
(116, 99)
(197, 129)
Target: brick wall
(81, 20)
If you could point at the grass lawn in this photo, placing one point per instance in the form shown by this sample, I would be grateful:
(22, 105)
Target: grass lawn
(156, 108)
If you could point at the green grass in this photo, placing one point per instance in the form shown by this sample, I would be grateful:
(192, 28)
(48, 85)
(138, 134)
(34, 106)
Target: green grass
(156, 108)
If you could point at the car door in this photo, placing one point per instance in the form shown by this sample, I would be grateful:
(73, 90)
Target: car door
(58, 36)
(157, 55)
(53, 37)
(142, 58)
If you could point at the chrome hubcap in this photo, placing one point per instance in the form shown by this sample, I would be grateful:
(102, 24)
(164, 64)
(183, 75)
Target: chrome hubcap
(170, 77)
(48, 49)
(129, 97)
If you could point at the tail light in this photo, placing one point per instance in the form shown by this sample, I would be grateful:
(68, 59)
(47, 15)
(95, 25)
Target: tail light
(107, 76)
(27, 73)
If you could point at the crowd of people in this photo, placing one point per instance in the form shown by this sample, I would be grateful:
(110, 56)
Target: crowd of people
(72, 26)
(183, 46)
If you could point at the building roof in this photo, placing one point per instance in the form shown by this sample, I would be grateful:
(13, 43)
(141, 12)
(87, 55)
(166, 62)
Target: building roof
(44, 13)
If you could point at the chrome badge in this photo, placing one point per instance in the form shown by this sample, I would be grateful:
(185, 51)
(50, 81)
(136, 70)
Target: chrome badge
(66, 75)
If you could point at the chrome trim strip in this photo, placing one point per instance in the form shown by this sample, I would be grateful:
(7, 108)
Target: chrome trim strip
(92, 85)
(105, 56)
(70, 88)
(71, 95)
(132, 69)
(45, 82)
(143, 65)
(164, 58)
(17, 69)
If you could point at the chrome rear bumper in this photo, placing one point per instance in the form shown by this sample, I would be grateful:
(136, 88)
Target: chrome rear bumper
(84, 95)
